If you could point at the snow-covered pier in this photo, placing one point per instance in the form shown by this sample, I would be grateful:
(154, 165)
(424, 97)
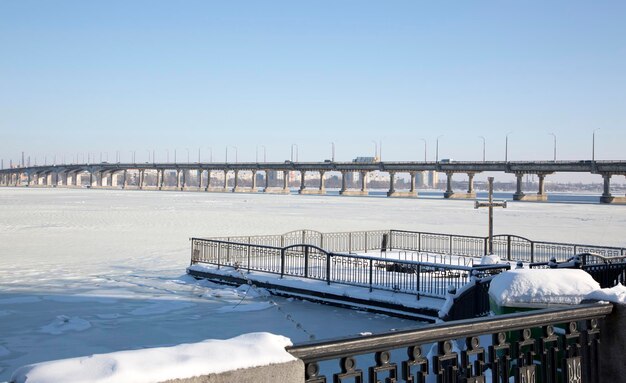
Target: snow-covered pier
(408, 274)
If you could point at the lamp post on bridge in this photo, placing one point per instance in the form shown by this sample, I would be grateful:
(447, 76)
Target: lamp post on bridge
(593, 145)
(292, 145)
(554, 135)
(332, 152)
(490, 204)
(264, 153)
(506, 147)
(484, 144)
(437, 149)
(375, 149)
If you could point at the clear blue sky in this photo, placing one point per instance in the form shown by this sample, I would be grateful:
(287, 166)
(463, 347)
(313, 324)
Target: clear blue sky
(100, 76)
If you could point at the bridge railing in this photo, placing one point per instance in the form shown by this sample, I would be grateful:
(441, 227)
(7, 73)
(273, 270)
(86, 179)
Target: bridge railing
(313, 262)
(541, 346)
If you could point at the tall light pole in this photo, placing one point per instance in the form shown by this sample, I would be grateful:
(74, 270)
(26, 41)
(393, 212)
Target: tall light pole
(554, 135)
(264, 153)
(226, 153)
(375, 148)
(199, 155)
(437, 149)
(506, 147)
(424, 140)
(593, 145)
(292, 145)
(174, 155)
(332, 152)
(210, 154)
(483, 138)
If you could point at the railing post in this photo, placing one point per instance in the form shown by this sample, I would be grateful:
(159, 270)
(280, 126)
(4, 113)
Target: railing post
(306, 261)
(282, 262)
(219, 254)
(450, 245)
(390, 240)
(248, 257)
(508, 247)
(419, 280)
(350, 242)
(419, 242)
(328, 268)
(371, 275)
(366, 241)
(532, 251)
(485, 246)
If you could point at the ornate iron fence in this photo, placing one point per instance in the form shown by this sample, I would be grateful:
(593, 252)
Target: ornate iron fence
(313, 262)
(550, 345)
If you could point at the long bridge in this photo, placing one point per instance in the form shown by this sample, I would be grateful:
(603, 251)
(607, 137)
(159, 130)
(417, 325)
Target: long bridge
(158, 176)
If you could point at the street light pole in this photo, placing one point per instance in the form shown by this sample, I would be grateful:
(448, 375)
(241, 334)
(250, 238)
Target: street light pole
(422, 139)
(332, 152)
(437, 149)
(264, 153)
(593, 145)
(292, 145)
(554, 135)
(375, 149)
(506, 147)
(483, 138)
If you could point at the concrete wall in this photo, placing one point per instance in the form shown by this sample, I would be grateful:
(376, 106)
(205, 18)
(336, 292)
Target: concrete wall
(290, 372)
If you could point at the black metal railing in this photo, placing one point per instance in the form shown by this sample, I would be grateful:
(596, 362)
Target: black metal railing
(550, 345)
(506, 246)
(471, 301)
(607, 271)
(313, 262)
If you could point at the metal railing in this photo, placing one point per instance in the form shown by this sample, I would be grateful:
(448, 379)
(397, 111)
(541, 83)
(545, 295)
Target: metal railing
(506, 246)
(607, 271)
(313, 262)
(550, 345)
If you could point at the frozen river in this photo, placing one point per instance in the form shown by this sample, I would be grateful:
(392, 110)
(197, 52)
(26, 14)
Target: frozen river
(93, 271)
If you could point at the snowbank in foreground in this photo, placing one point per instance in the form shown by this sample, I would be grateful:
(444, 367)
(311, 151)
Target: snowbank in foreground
(163, 363)
(540, 287)
(615, 294)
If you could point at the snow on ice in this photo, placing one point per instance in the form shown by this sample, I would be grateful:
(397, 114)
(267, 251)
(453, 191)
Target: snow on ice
(105, 256)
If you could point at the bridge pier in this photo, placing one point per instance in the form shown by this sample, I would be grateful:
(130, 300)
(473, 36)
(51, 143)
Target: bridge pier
(521, 196)
(208, 180)
(412, 193)
(303, 190)
(449, 193)
(345, 190)
(607, 197)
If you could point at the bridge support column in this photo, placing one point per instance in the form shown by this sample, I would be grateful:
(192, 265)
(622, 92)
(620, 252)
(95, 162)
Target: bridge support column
(302, 185)
(449, 193)
(208, 180)
(343, 189)
(322, 188)
(162, 184)
(254, 188)
(141, 177)
(125, 179)
(286, 181)
(199, 173)
(236, 181)
(412, 193)
(519, 194)
(607, 197)
(267, 181)
(540, 196)
(470, 185)
(177, 179)
(28, 179)
(364, 183)
(183, 183)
